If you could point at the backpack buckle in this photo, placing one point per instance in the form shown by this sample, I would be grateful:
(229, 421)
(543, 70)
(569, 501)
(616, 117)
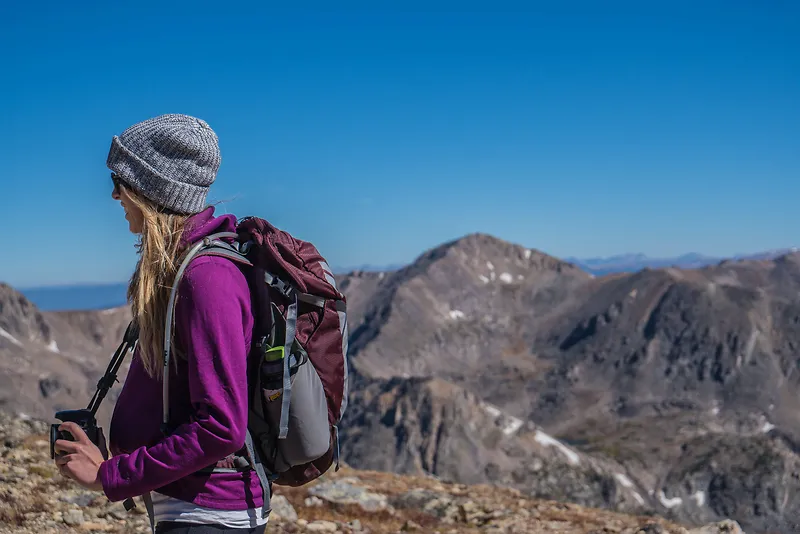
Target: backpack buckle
(106, 382)
(282, 287)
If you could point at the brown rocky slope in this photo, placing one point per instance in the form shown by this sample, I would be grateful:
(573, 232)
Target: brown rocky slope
(52, 360)
(35, 498)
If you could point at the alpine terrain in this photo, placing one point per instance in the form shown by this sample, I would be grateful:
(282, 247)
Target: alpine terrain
(665, 392)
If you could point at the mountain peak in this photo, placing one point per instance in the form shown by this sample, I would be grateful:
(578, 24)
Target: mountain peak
(20, 319)
(491, 251)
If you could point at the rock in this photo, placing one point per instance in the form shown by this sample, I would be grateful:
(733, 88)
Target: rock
(438, 505)
(119, 515)
(73, 517)
(82, 499)
(282, 509)
(723, 527)
(19, 471)
(410, 525)
(311, 502)
(322, 526)
(345, 491)
(472, 513)
(355, 525)
(97, 527)
(500, 527)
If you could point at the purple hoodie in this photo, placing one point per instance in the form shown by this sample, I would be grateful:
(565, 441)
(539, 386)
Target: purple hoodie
(208, 393)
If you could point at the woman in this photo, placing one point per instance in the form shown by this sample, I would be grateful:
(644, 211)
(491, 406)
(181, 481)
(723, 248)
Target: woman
(162, 170)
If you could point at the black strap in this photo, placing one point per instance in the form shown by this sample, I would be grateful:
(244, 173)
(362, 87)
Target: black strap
(151, 514)
(110, 377)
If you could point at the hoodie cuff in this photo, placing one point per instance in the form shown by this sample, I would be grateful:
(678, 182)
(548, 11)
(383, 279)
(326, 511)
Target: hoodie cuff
(111, 479)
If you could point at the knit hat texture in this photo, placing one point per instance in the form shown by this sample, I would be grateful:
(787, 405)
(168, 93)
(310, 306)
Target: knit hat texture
(171, 159)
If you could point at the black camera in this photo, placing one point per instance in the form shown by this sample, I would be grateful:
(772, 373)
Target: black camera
(84, 419)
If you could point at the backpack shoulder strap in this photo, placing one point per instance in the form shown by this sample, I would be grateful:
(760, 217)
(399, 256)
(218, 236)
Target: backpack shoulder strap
(211, 245)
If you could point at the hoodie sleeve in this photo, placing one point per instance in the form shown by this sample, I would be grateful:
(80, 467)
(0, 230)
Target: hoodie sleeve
(212, 315)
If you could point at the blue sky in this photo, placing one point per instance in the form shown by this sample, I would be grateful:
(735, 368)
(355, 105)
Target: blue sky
(578, 128)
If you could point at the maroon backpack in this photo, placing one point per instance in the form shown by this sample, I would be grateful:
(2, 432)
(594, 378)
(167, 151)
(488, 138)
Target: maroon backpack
(298, 369)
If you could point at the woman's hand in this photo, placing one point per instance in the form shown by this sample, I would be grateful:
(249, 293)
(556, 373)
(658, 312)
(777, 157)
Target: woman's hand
(81, 458)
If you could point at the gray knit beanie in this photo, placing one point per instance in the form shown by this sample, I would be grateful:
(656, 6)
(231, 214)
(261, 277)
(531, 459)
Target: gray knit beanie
(170, 159)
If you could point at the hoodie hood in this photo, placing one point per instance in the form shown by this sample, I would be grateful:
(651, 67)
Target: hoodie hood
(204, 224)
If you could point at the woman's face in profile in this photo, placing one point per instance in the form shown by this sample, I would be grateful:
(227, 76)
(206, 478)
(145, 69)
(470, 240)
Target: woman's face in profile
(132, 213)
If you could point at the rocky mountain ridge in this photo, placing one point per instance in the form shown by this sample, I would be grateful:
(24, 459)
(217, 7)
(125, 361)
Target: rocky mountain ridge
(632, 371)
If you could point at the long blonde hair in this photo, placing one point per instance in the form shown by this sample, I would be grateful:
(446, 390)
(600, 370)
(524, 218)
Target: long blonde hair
(159, 250)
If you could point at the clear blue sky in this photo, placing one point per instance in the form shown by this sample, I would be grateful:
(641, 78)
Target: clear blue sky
(656, 127)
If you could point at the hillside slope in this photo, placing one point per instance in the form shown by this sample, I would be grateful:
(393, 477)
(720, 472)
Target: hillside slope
(34, 498)
(52, 360)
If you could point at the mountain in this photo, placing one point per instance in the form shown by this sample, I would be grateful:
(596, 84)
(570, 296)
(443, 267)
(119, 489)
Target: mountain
(665, 391)
(660, 378)
(445, 308)
(52, 360)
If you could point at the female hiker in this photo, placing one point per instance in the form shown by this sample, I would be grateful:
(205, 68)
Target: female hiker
(162, 170)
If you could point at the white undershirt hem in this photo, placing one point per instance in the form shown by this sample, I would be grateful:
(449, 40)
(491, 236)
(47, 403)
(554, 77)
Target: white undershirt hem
(166, 508)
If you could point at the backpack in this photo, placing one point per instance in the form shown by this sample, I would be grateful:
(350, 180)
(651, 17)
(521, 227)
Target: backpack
(297, 367)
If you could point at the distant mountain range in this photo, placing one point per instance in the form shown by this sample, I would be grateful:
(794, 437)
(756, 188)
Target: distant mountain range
(631, 263)
(103, 296)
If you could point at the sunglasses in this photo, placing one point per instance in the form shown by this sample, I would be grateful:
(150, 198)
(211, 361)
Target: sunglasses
(118, 183)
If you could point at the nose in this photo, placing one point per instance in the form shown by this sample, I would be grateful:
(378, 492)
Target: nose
(115, 193)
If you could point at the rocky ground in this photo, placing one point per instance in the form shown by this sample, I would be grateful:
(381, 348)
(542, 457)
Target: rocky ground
(35, 498)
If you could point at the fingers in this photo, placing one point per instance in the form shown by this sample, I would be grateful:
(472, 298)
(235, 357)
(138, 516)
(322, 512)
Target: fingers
(65, 471)
(64, 459)
(62, 445)
(77, 432)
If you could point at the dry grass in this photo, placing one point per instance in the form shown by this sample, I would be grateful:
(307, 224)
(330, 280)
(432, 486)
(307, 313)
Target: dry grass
(9, 515)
